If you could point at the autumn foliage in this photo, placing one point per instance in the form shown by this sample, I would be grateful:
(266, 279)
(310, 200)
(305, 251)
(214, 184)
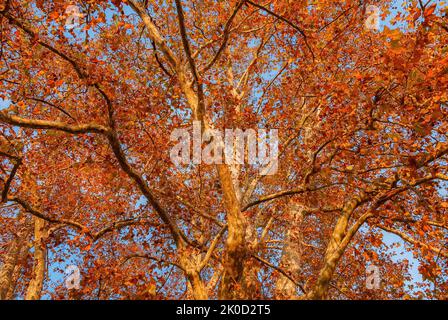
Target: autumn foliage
(86, 177)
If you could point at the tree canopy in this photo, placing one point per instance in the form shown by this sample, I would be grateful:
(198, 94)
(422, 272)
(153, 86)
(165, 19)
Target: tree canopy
(92, 90)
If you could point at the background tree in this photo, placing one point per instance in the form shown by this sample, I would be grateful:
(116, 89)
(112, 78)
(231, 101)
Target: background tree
(86, 175)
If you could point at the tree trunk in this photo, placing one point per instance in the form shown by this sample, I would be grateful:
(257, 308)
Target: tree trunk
(35, 286)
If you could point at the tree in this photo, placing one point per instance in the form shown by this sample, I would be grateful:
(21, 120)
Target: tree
(86, 174)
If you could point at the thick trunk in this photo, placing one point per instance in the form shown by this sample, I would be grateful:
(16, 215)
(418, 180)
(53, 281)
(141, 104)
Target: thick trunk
(292, 254)
(335, 250)
(250, 280)
(199, 291)
(18, 269)
(34, 289)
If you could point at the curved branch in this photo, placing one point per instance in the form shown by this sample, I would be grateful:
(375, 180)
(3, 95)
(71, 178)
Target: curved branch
(52, 125)
(410, 240)
(200, 107)
(18, 162)
(225, 36)
(177, 234)
(115, 145)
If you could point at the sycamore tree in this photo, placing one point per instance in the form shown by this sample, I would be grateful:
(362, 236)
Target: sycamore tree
(91, 91)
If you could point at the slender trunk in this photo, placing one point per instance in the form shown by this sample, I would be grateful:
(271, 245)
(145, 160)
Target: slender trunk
(335, 250)
(235, 245)
(189, 263)
(34, 289)
(234, 258)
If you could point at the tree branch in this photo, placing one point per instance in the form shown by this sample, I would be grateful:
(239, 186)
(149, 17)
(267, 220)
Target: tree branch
(225, 36)
(17, 163)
